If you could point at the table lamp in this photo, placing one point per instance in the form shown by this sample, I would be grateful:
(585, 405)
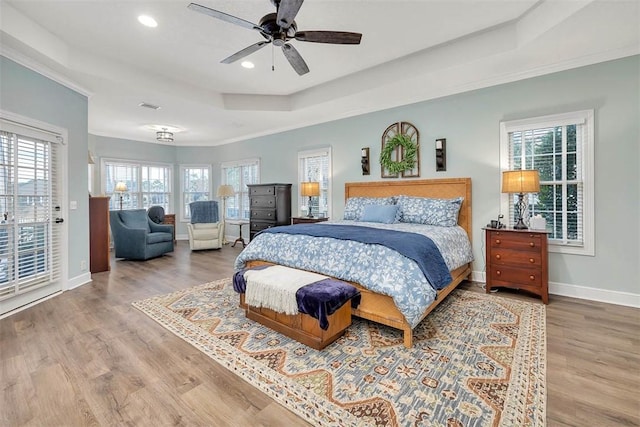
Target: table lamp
(520, 182)
(121, 188)
(310, 189)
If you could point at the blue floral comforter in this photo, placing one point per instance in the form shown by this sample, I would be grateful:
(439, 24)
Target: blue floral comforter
(375, 267)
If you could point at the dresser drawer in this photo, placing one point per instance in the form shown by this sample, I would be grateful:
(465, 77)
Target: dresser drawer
(256, 226)
(262, 191)
(263, 202)
(265, 214)
(502, 256)
(518, 241)
(510, 275)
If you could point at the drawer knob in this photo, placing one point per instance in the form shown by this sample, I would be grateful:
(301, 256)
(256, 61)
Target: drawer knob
(497, 241)
(498, 256)
(532, 277)
(531, 260)
(532, 244)
(498, 272)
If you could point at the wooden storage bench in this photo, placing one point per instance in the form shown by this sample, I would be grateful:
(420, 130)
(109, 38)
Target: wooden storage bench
(302, 327)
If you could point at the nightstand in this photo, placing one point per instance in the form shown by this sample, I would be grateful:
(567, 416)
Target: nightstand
(518, 259)
(306, 220)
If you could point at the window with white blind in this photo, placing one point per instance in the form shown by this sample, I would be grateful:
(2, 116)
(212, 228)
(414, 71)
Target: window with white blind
(195, 185)
(560, 147)
(239, 174)
(315, 166)
(30, 207)
(147, 184)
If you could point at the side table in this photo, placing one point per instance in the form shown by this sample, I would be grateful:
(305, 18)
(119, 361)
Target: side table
(240, 239)
(170, 219)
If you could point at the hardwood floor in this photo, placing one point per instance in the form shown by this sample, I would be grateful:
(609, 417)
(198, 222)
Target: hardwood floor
(87, 357)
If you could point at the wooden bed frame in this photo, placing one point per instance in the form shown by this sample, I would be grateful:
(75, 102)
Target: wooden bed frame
(380, 308)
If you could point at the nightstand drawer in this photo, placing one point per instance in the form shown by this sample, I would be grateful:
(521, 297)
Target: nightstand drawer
(518, 241)
(263, 202)
(509, 275)
(529, 259)
(266, 214)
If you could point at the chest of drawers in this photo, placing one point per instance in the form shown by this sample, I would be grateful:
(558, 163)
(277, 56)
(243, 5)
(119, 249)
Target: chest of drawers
(269, 205)
(517, 259)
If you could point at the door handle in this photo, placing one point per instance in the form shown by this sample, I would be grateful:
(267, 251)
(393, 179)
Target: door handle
(59, 220)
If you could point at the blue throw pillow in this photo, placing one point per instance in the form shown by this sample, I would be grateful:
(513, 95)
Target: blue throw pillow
(355, 205)
(422, 210)
(385, 214)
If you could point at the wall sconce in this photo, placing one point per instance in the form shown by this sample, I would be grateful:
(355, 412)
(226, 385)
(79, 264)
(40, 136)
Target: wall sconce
(441, 155)
(364, 160)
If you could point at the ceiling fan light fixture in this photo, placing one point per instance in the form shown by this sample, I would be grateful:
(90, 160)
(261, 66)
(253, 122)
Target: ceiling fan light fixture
(247, 64)
(164, 135)
(147, 21)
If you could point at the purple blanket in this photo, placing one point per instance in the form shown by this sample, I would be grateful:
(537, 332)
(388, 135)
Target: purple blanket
(319, 299)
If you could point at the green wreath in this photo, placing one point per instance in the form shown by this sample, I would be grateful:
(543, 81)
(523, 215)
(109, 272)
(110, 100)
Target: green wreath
(410, 150)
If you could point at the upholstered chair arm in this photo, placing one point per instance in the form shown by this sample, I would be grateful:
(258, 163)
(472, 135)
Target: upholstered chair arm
(160, 228)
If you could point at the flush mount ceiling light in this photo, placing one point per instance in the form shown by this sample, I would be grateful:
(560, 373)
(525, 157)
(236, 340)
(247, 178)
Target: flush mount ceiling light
(164, 135)
(247, 64)
(147, 21)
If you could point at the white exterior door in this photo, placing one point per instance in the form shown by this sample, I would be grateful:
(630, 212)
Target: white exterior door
(31, 225)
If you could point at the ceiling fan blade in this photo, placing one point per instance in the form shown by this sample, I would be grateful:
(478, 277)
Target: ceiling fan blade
(223, 16)
(295, 59)
(334, 37)
(287, 11)
(244, 52)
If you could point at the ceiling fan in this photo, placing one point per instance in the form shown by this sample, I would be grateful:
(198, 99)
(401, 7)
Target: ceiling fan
(278, 28)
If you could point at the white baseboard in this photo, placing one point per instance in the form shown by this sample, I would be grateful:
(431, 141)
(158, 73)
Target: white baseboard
(627, 299)
(78, 281)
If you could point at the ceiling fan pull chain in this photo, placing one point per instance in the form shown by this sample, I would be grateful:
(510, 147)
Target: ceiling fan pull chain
(273, 58)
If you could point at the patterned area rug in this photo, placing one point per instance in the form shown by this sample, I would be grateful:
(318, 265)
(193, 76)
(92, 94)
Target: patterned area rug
(478, 360)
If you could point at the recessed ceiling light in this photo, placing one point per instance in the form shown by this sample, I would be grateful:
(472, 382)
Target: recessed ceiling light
(147, 21)
(247, 64)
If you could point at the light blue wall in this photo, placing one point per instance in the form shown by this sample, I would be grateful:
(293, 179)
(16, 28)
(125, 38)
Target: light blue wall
(32, 95)
(470, 123)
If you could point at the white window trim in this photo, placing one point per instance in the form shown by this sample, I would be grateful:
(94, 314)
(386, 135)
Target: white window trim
(585, 117)
(139, 163)
(181, 183)
(314, 153)
(237, 163)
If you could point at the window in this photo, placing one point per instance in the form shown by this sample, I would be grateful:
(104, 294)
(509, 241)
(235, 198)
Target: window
(147, 184)
(560, 147)
(239, 174)
(195, 184)
(315, 166)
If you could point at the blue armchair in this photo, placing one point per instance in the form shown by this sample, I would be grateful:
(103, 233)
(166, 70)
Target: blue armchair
(136, 237)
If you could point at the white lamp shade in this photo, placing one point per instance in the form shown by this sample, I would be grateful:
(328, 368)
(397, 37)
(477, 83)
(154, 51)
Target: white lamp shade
(226, 191)
(121, 187)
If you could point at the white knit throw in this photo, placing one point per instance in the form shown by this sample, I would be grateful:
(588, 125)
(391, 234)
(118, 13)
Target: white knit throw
(275, 287)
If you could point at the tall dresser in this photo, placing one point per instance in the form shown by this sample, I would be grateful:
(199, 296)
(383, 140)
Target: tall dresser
(99, 234)
(270, 205)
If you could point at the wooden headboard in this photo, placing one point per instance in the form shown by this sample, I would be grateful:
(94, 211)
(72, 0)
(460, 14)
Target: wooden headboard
(445, 188)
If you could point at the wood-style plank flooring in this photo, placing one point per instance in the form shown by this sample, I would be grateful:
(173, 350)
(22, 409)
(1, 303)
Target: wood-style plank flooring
(88, 358)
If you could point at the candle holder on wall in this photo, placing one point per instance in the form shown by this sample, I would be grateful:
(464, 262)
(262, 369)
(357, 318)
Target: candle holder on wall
(441, 155)
(364, 160)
